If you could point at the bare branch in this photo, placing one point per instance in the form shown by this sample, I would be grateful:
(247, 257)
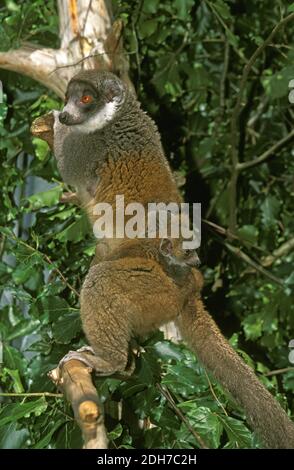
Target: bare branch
(74, 378)
(257, 267)
(214, 394)
(36, 64)
(224, 77)
(283, 250)
(34, 394)
(279, 371)
(268, 153)
(84, 27)
(260, 108)
(235, 118)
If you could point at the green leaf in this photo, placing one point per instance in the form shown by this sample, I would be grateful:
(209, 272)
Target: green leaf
(248, 233)
(115, 433)
(183, 8)
(13, 438)
(270, 210)
(46, 198)
(55, 307)
(253, 326)
(75, 232)
(41, 148)
(222, 9)
(22, 273)
(148, 28)
(168, 350)
(23, 328)
(206, 423)
(67, 328)
(151, 6)
(16, 380)
(236, 431)
(13, 359)
(277, 85)
(47, 436)
(13, 412)
(232, 38)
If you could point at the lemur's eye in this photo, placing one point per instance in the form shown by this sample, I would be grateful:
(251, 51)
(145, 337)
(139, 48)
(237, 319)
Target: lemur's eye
(86, 99)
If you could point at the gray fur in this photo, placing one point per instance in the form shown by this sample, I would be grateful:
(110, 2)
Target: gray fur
(80, 155)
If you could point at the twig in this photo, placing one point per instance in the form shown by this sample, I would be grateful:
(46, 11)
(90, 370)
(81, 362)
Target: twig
(283, 250)
(165, 392)
(226, 233)
(214, 394)
(34, 394)
(279, 371)
(265, 155)
(260, 108)
(222, 91)
(235, 118)
(174, 55)
(46, 257)
(48, 260)
(227, 30)
(86, 17)
(257, 267)
(223, 231)
(74, 378)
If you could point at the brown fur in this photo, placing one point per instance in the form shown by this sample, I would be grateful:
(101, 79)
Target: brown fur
(129, 290)
(263, 412)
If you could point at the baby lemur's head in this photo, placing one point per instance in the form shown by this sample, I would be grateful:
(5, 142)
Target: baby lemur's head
(93, 99)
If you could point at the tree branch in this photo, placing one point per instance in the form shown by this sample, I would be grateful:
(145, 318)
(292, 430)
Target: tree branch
(74, 378)
(279, 371)
(84, 26)
(235, 118)
(37, 64)
(257, 267)
(265, 155)
(283, 250)
(169, 398)
(222, 91)
(34, 394)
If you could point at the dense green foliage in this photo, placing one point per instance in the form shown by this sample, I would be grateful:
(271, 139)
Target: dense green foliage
(186, 58)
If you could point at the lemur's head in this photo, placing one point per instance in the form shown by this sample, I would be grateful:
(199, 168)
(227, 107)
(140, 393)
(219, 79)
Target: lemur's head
(93, 99)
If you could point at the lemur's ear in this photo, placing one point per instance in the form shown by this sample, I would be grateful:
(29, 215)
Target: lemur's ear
(113, 90)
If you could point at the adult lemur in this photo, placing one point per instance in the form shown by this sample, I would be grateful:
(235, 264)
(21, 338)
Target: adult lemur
(105, 145)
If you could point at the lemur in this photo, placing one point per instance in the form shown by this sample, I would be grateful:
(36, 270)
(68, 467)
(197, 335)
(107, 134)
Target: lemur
(106, 145)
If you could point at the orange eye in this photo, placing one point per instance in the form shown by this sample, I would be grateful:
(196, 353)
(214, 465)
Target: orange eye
(86, 99)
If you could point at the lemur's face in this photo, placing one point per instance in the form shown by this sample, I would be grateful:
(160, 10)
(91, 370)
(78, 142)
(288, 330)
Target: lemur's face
(90, 105)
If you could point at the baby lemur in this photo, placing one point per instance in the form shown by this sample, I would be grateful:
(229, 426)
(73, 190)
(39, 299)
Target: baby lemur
(105, 145)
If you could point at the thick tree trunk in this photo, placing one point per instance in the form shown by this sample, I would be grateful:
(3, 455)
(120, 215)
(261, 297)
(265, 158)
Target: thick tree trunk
(88, 39)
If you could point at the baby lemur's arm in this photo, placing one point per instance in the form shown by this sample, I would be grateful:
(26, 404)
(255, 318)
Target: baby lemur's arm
(105, 145)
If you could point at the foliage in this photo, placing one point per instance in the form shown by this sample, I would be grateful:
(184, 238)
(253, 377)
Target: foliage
(186, 61)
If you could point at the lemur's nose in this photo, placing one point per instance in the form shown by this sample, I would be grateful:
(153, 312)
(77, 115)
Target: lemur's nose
(63, 117)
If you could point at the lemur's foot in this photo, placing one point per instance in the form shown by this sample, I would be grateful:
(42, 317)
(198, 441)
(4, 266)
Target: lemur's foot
(102, 368)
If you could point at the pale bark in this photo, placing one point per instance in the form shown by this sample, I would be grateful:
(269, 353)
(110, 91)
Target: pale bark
(88, 39)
